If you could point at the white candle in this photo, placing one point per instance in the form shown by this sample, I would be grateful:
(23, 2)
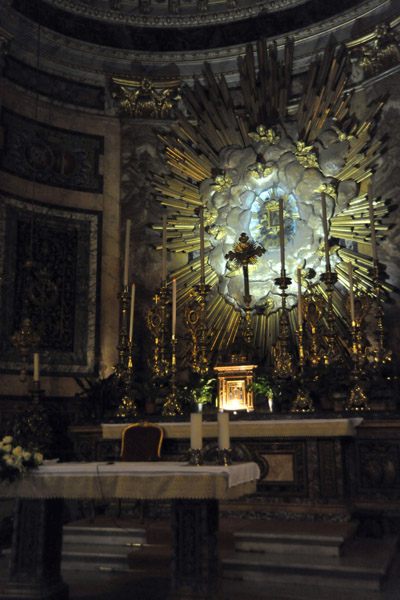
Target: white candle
(299, 307)
(351, 292)
(202, 243)
(164, 248)
(132, 312)
(325, 226)
(196, 431)
(282, 234)
(372, 225)
(173, 307)
(126, 260)
(223, 430)
(36, 369)
(271, 404)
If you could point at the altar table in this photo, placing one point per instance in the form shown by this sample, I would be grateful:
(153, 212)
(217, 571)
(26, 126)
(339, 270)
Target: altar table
(194, 492)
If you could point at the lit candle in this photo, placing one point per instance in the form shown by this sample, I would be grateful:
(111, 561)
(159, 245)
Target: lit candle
(372, 225)
(132, 311)
(36, 369)
(126, 261)
(202, 244)
(173, 307)
(223, 430)
(351, 292)
(164, 248)
(325, 226)
(196, 431)
(299, 307)
(282, 234)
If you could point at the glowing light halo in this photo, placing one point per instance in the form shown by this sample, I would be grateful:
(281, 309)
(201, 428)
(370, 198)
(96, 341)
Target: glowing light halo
(215, 155)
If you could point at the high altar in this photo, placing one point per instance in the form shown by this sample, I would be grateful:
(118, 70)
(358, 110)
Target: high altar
(202, 232)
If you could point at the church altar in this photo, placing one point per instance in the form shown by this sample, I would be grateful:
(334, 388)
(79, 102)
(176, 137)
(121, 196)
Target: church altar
(194, 492)
(244, 429)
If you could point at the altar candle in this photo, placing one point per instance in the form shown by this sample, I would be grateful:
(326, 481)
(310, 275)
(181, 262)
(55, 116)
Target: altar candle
(299, 306)
(282, 234)
(325, 226)
(36, 366)
(223, 431)
(372, 225)
(202, 244)
(126, 261)
(132, 312)
(164, 248)
(196, 431)
(351, 292)
(173, 307)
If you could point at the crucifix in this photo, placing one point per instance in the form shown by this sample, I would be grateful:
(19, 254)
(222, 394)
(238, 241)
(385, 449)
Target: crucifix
(246, 252)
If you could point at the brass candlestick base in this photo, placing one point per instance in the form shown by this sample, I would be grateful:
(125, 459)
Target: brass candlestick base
(358, 399)
(225, 456)
(303, 402)
(195, 457)
(123, 342)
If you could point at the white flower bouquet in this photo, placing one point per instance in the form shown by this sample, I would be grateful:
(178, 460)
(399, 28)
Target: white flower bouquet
(16, 462)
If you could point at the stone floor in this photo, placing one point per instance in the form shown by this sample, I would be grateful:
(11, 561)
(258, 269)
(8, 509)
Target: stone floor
(151, 580)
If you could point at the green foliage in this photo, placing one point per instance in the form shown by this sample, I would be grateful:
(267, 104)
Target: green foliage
(199, 390)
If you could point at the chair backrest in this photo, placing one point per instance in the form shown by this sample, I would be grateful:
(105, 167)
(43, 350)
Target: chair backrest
(141, 442)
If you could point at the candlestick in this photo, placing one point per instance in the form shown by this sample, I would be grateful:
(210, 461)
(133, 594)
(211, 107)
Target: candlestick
(36, 369)
(351, 293)
(282, 234)
(325, 226)
(173, 307)
(299, 306)
(196, 431)
(132, 312)
(223, 431)
(126, 261)
(372, 225)
(164, 248)
(202, 244)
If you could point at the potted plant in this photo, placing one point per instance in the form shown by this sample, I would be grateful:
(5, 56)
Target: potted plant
(201, 391)
(263, 391)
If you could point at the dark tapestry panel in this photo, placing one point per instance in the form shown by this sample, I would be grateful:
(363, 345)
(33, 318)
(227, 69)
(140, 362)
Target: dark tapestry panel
(51, 155)
(50, 262)
(45, 281)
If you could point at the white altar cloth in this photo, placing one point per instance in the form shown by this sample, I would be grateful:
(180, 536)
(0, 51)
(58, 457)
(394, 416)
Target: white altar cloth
(141, 481)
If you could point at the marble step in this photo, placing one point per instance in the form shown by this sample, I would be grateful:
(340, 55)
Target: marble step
(364, 565)
(303, 538)
(99, 548)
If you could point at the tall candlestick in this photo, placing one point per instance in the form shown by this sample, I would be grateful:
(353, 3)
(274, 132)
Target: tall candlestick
(196, 431)
(202, 243)
(173, 307)
(223, 430)
(299, 307)
(36, 369)
(351, 292)
(372, 225)
(282, 234)
(164, 248)
(132, 312)
(126, 260)
(325, 226)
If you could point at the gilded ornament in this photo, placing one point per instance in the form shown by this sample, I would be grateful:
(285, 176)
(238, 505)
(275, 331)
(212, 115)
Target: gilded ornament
(222, 183)
(144, 99)
(306, 156)
(269, 137)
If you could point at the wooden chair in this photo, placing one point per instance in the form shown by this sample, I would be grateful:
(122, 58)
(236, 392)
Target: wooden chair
(141, 442)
